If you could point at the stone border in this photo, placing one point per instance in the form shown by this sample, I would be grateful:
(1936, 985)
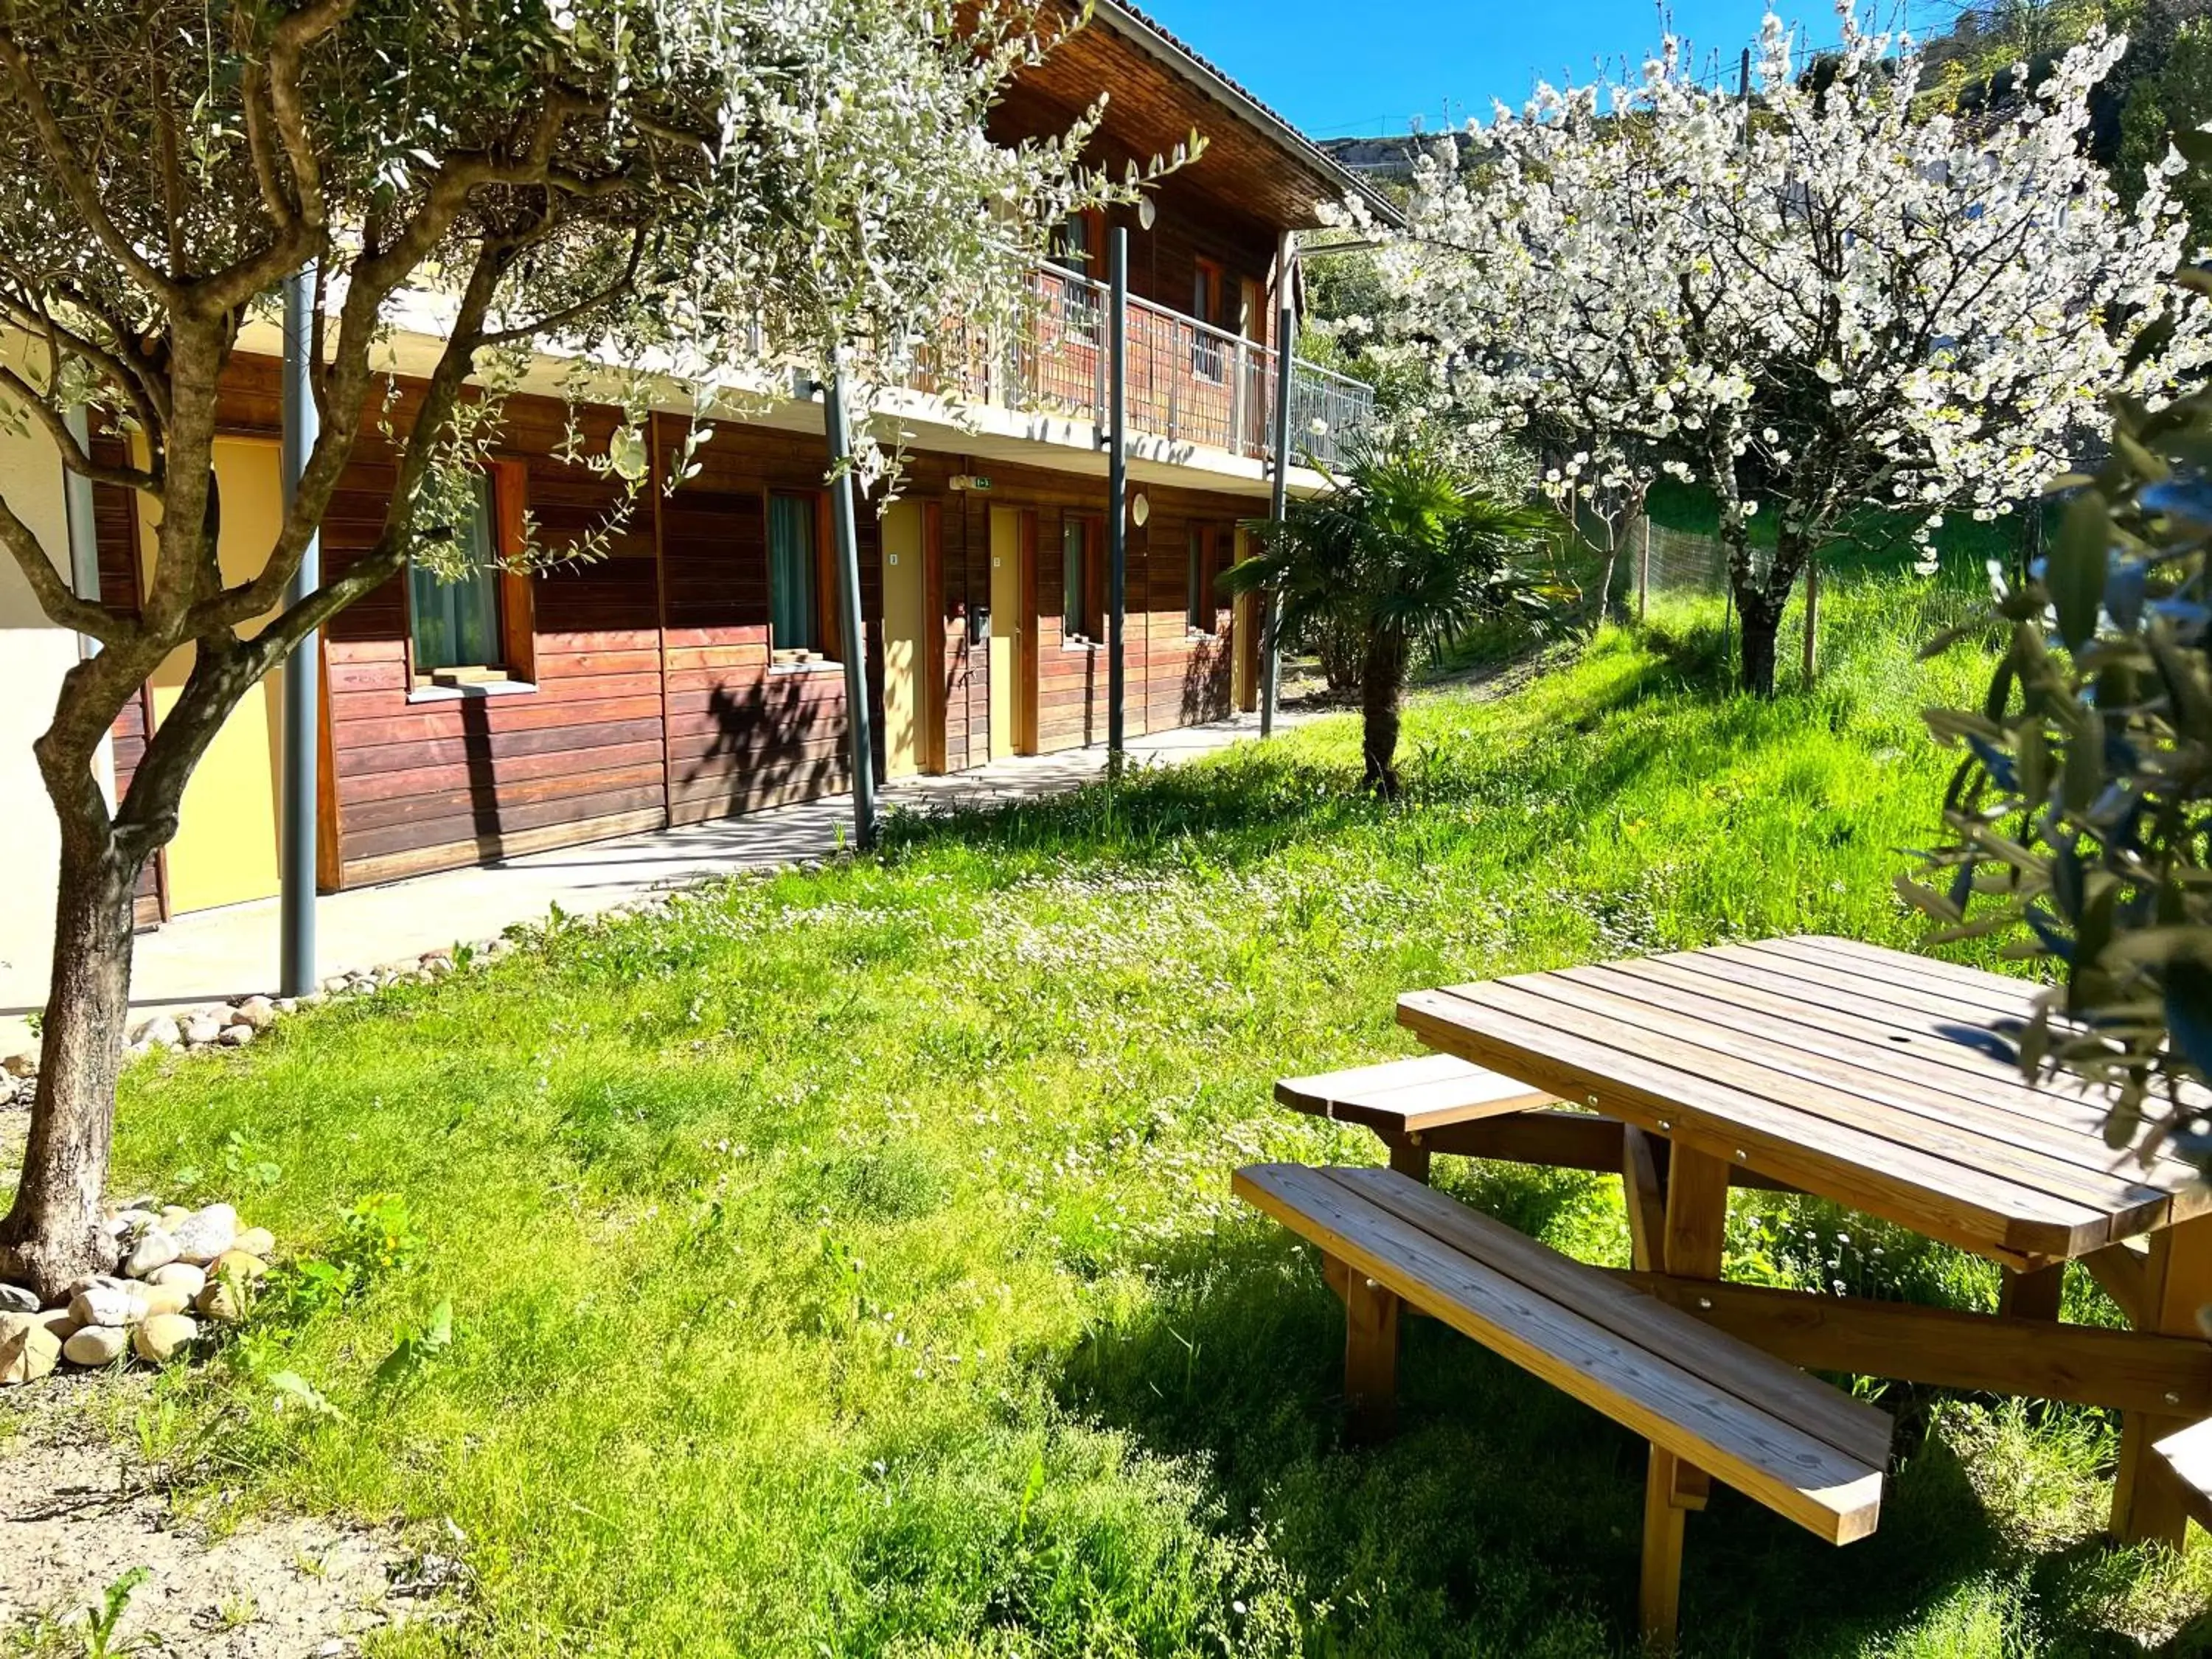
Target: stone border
(237, 1023)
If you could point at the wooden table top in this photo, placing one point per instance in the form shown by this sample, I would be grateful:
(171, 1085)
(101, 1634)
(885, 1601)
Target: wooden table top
(1858, 1073)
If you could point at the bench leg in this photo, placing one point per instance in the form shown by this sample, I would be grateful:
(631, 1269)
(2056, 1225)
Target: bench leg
(2146, 1502)
(1370, 1358)
(1659, 1595)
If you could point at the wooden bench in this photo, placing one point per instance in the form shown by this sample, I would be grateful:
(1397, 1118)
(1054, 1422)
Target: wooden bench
(2186, 1459)
(1403, 1101)
(1803, 1449)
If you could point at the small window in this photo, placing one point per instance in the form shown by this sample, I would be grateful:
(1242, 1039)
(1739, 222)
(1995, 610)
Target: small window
(1205, 305)
(454, 626)
(1082, 581)
(1076, 244)
(1203, 568)
(793, 575)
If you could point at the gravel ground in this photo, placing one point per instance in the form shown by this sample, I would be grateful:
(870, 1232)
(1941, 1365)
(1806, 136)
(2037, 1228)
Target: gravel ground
(76, 1515)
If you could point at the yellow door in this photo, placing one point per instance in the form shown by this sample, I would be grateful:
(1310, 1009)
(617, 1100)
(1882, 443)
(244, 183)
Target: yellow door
(905, 697)
(225, 851)
(1006, 630)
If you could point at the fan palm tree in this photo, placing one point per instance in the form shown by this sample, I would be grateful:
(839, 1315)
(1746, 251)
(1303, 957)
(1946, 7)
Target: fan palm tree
(1401, 551)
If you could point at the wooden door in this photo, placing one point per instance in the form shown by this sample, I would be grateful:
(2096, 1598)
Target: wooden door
(1014, 630)
(906, 608)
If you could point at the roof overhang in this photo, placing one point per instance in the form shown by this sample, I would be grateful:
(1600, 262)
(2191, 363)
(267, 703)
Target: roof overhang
(1332, 182)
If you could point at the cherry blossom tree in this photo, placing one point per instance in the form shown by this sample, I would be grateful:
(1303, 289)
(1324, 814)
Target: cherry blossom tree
(1820, 297)
(665, 193)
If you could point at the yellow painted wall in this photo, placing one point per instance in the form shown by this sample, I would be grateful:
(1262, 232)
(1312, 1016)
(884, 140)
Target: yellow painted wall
(34, 655)
(1244, 671)
(225, 851)
(903, 657)
(1005, 623)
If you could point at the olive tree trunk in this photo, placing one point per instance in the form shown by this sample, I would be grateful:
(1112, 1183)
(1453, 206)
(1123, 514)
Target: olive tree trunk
(55, 1232)
(1381, 693)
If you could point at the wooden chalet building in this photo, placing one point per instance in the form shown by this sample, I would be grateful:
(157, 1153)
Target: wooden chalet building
(696, 672)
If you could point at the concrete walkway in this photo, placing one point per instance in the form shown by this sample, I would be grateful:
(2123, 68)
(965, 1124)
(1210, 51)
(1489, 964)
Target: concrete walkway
(218, 956)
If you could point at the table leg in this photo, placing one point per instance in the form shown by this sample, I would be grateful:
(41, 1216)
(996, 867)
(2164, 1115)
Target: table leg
(2032, 1295)
(1696, 1231)
(1409, 1155)
(2147, 1504)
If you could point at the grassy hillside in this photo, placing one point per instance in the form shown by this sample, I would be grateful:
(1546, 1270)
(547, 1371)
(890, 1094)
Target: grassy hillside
(844, 1265)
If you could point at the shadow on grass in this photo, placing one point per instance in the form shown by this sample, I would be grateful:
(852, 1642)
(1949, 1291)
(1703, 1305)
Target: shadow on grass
(1505, 1517)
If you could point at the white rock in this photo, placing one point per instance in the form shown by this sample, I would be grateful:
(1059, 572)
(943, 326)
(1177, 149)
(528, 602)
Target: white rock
(104, 1305)
(84, 1282)
(285, 1004)
(14, 1299)
(162, 1031)
(236, 1037)
(205, 1234)
(164, 1299)
(179, 1276)
(255, 1241)
(163, 1337)
(155, 1250)
(23, 1063)
(259, 1013)
(201, 1029)
(314, 1000)
(140, 1218)
(58, 1321)
(28, 1350)
(95, 1345)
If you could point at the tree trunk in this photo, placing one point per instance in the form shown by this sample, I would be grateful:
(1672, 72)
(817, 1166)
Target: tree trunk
(1381, 688)
(1762, 623)
(55, 1230)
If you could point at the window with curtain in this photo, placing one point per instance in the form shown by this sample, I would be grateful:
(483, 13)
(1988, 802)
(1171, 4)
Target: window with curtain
(455, 624)
(1203, 565)
(1082, 581)
(793, 596)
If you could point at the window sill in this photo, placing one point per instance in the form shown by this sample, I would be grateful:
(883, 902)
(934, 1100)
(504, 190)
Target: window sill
(479, 689)
(1066, 644)
(775, 668)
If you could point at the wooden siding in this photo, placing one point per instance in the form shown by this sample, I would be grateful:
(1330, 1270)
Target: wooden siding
(115, 532)
(743, 733)
(1173, 678)
(426, 782)
(655, 700)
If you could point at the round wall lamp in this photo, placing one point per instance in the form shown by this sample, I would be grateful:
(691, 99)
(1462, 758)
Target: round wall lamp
(1140, 510)
(1145, 212)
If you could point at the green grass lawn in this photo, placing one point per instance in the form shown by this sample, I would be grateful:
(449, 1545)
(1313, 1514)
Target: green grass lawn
(844, 1266)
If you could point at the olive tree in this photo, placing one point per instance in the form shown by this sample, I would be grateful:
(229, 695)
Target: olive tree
(658, 191)
(1822, 297)
(2080, 819)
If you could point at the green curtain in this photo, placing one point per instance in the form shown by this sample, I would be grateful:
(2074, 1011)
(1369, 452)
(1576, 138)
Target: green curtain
(456, 624)
(793, 613)
(1072, 573)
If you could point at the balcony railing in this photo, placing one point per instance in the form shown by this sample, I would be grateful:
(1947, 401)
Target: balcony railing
(1188, 382)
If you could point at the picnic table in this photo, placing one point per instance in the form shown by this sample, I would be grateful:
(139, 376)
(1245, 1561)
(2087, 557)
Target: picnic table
(1855, 1074)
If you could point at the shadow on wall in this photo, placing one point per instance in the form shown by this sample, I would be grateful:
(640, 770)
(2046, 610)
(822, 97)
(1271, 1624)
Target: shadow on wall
(771, 742)
(1205, 683)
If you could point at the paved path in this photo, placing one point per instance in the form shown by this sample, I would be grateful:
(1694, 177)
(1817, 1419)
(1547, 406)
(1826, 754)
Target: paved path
(213, 956)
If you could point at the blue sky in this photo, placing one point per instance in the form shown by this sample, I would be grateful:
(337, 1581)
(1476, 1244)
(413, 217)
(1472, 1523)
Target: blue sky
(1339, 69)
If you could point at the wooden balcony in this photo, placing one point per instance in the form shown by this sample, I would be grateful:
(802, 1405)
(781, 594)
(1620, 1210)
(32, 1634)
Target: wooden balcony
(1188, 382)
